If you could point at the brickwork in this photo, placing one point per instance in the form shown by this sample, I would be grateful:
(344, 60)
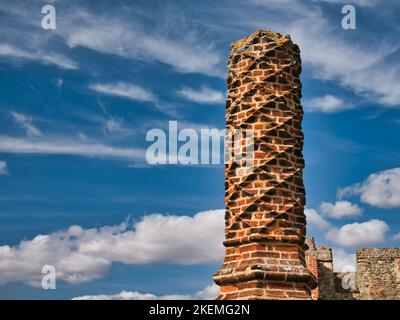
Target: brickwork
(265, 221)
(312, 264)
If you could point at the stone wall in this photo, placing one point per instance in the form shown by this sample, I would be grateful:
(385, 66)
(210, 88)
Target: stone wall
(377, 275)
(345, 286)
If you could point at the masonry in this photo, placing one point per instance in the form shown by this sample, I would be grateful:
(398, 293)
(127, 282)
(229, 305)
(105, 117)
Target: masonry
(377, 274)
(267, 255)
(265, 221)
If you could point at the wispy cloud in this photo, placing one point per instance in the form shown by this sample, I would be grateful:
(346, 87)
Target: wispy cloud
(353, 65)
(68, 146)
(204, 95)
(325, 104)
(365, 66)
(51, 58)
(3, 168)
(361, 3)
(25, 122)
(124, 90)
(80, 255)
(186, 50)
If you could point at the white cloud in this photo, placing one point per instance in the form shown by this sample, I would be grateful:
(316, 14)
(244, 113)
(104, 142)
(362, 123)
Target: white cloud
(209, 293)
(68, 146)
(125, 90)
(361, 3)
(3, 168)
(396, 237)
(314, 219)
(341, 209)
(186, 50)
(25, 122)
(355, 65)
(343, 261)
(205, 95)
(59, 82)
(352, 66)
(80, 255)
(367, 233)
(381, 189)
(51, 58)
(112, 125)
(325, 104)
(349, 235)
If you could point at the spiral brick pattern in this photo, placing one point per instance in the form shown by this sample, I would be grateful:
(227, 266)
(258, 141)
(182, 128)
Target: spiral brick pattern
(265, 221)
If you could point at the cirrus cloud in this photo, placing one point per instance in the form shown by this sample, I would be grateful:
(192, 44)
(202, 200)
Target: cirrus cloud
(204, 95)
(3, 168)
(124, 90)
(325, 104)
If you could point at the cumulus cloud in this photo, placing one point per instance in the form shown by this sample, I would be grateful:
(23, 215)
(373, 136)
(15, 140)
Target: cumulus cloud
(25, 122)
(396, 236)
(314, 219)
(340, 209)
(81, 255)
(3, 168)
(381, 189)
(209, 293)
(367, 233)
(325, 104)
(10, 51)
(343, 261)
(356, 234)
(204, 95)
(124, 90)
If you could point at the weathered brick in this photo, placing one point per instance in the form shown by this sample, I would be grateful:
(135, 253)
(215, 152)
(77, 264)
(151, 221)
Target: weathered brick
(264, 94)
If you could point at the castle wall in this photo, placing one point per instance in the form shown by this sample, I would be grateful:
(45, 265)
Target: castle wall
(378, 273)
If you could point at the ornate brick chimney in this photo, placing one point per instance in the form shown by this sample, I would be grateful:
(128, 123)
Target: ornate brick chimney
(265, 221)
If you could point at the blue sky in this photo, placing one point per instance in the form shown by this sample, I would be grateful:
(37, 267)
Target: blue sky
(76, 103)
